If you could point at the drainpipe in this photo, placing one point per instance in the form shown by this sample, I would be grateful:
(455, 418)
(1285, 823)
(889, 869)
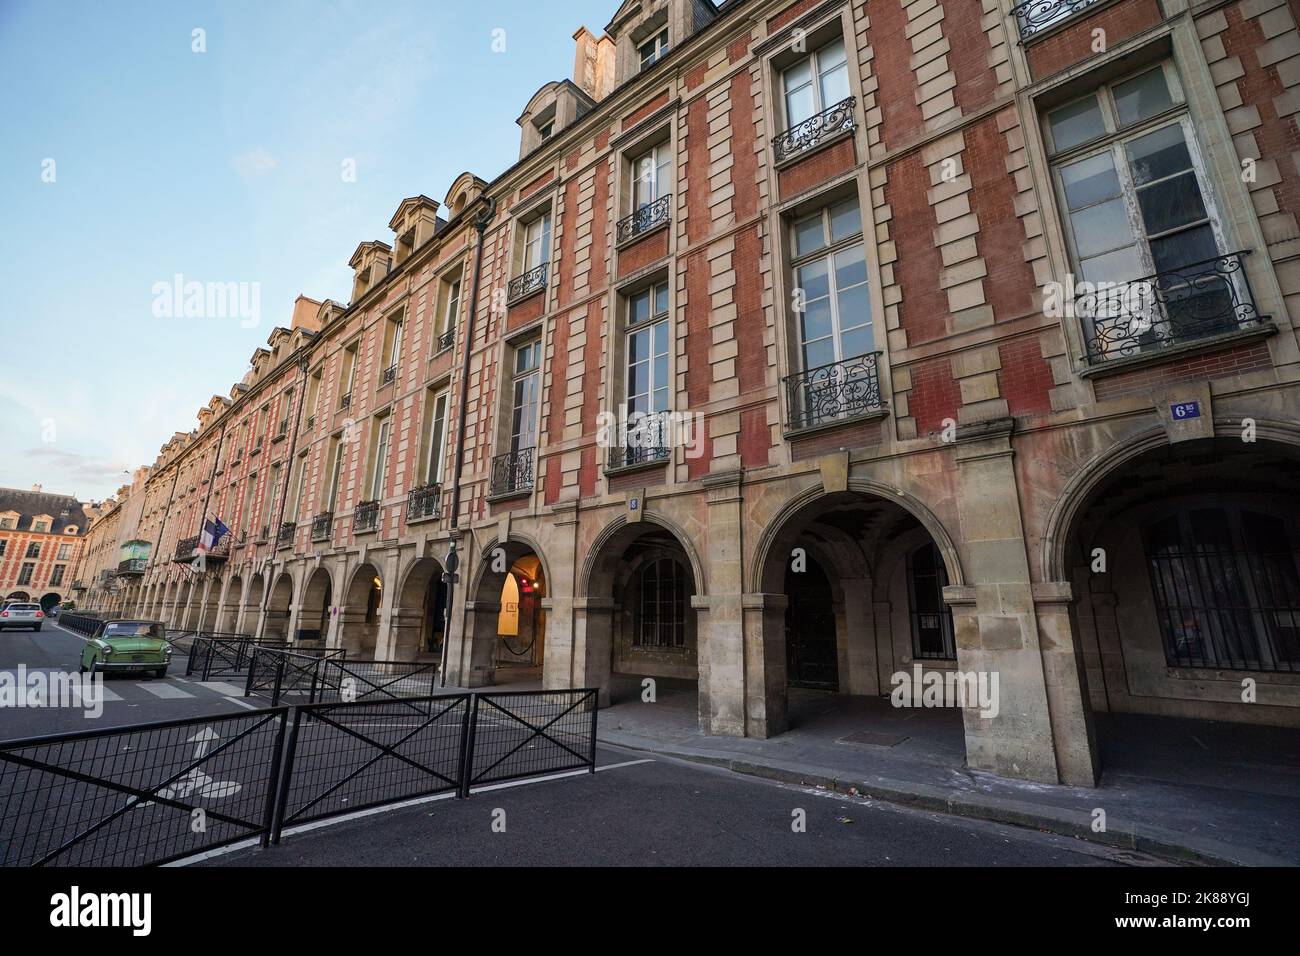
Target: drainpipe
(303, 365)
(480, 225)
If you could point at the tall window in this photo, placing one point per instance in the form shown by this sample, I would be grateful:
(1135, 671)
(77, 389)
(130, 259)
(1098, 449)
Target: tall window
(1136, 204)
(525, 390)
(336, 474)
(25, 573)
(379, 466)
(537, 242)
(65, 551)
(647, 364)
(313, 394)
(272, 492)
(392, 347)
(833, 299)
(33, 550)
(349, 377)
(664, 594)
(452, 312)
(298, 485)
(932, 631)
(246, 512)
(56, 576)
(816, 83)
(1226, 588)
(652, 175)
(4, 546)
(653, 49)
(437, 438)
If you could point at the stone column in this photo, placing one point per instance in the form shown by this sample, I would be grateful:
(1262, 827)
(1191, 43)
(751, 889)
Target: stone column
(562, 661)
(1073, 732)
(765, 672)
(860, 629)
(719, 615)
(478, 652)
(593, 644)
(405, 630)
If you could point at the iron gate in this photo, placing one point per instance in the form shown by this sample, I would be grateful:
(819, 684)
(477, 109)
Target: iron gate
(524, 733)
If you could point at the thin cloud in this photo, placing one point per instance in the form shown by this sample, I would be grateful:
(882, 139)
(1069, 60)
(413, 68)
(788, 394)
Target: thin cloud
(254, 163)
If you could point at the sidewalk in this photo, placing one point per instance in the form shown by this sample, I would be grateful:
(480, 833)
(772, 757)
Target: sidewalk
(1192, 790)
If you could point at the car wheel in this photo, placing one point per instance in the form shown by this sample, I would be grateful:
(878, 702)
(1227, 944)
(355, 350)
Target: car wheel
(160, 673)
(37, 627)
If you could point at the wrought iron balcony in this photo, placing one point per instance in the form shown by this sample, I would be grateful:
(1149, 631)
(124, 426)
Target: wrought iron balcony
(446, 340)
(366, 516)
(388, 375)
(1166, 310)
(645, 219)
(322, 525)
(1038, 15)
(283, 429)
(188, 549)
(265, 533)
(132, 566)
(423, 503)
(840, 390)
(646, 441)
(512, 472)
(258, 442)
(311, 422)
(531, 281)
(285, 535)
(811, 132)
(346, 400)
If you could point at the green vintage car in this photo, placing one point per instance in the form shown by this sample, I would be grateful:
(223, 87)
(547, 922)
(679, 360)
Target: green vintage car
(127, 646)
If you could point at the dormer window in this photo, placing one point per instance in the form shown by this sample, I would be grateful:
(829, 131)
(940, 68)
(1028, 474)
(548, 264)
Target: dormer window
(547, 130)
(654, 49)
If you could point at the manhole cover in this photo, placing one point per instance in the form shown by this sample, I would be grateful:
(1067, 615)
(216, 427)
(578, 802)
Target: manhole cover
(876, 740)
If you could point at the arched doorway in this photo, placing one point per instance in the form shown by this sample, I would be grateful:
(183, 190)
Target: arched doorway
(18, 596)
(49, 600)
(317, 605)
(229, 612)
(505, 632)
(521, 622)
(251, 614)
(420, 618)
(359, 617)
(811, 651)
(1184, 563)
(275, 626)
(180, 614)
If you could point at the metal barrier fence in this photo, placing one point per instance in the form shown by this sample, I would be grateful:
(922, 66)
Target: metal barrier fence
(279, 672)
(345, 757)
(211, 657)
(158, 792)
(83, 622)
(140, 795)
(523, 733)
(344, 680)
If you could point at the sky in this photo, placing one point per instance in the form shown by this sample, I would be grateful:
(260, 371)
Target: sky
(128, 157)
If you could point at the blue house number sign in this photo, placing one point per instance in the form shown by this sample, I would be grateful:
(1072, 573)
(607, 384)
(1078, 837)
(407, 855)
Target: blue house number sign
(1185, 410)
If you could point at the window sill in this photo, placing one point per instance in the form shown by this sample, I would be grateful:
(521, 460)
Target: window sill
(799, 157)
(1261, 329)
(509, 495)
(279, 438)
(1287, 678)
(794, 434)
(421, 519)
(254, 453)
(638, 466)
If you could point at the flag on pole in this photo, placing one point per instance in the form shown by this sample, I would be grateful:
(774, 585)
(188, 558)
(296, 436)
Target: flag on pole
(213, 530)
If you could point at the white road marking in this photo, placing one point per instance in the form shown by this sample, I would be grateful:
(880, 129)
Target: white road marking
(243, 703)
(165, 691)
(227, 690)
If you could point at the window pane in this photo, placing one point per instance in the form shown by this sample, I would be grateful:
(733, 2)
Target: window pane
(660, 371)
(845, 220)
(835, 85)
(816, 321)
(850, 268)
(1142, 96)
(1076, 123)
(638, 346)
(809, 235)
(799, 104)
(1101, 227)
(857, 342)
(1171, 203)
(1159, 154)
(813, 280)
(639, 308)
(831, 56)
(660, 330)
(1184, 248)
(661, 299)
(817, 354)
(1090, 181)
(1121, 265)
(855, 307)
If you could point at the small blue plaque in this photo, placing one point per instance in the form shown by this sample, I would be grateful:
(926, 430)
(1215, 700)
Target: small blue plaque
(1185, 410)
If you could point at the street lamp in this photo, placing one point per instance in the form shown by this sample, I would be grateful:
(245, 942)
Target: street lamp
(449, 577)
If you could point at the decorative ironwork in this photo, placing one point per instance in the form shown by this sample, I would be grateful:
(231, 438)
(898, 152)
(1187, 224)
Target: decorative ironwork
(1167, 309)
(366, 516)
(346, 400)
(285, 534)
(188, 549)
(646, 441)
(810, 133)
(424, 502)
(284, 428)
(446, 340)
(526, 284)
(646, 218)
(311, 422)
(388, 375)
(257, 445)
(132, 566)
(831, 392)
(322, 525)
(512, 471)
(1038, 15)
(265, 533)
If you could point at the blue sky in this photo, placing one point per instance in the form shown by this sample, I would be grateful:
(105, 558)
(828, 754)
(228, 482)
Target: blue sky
(223, 166)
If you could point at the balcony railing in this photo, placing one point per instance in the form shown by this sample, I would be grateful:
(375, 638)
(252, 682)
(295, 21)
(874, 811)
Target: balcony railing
(1038, 15)
(322, 525)
(832, 392)
(1169, 309)
(283, 429)
(132, 566)
(366, 516)
(346, 400)
(446, 340)
(388, 375)
(526, 284)
(512, 472)
(646, 441)
(646, 218)
(311, 422)
(265, 533)
(187, 549)
(285, 535)
(257, 444)
(812, 131)
(423, 503)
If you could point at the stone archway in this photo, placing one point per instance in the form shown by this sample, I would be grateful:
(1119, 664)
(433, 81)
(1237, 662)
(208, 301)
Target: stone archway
(275, 619)
(418, 624)
(360, 613)
(506, 615)
(316, 609)
(228, 614)
(250, 615)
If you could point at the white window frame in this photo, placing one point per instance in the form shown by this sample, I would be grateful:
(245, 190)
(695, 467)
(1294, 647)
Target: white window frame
(658, 49)
(452, 308)
(816, 74)
(648, 174)
(648, 430)
(437, 436)
(519, 378)
(827, 253)
(537, 242)
(379, 461)
(336, 475)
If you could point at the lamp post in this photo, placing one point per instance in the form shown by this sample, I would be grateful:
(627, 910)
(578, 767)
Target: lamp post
(449, 577)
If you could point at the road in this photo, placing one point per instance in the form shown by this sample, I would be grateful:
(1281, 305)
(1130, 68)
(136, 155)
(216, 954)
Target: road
(662, 812)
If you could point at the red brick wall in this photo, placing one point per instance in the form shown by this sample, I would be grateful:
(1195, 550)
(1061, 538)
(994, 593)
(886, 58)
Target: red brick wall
(1074, 43)
(935, 396)
(750, 325)
(790, 13)
(635, 479)
(893, 70)
(755, 438)
(855, 436)
(1009, 285)
(817, 168)
(744, 169)
(568, 242)
(527, 310)
(1025, 378)
(1232, 361)
(968, 56)
(537, 184)
(924, 305)
(697, 170)
(645, 110)
(643, 252)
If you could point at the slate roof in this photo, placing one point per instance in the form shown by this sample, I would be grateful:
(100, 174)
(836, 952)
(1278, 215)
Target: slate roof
(64, 509)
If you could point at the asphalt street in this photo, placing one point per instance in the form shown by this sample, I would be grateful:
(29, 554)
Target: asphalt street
(636, 811)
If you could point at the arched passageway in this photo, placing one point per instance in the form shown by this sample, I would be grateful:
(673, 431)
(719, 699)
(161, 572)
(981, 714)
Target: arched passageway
(359, 616)
(420, 616)
(275, 624)
(317, 608)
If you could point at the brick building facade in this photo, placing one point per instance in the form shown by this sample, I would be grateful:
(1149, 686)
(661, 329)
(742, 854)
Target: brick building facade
(41, 541)
(972, 325)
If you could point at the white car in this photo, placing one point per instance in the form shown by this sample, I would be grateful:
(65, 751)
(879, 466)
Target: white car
(22, 615)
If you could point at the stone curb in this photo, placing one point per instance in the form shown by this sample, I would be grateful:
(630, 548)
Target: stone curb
(1157, 841)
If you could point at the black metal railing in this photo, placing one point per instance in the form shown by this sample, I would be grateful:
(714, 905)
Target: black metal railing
(388, 375)
(512, 471)
(322, 525)
(290, 676)
(285, 535)
(832, 392)
(644, 219)
(366, 516)
(526, 284)
(283, 430)
(132, 566)
(524, 733)
(424, 502)
(311, 422)
(187, 549)
(346, 400)
(446, 340)
(1038, 15)
(342, 679)
(646, 440)
(1168, 309)
(216, 654)
(264, 533)
(812, 131)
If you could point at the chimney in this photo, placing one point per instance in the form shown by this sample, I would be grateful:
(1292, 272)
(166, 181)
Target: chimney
(593, 63)
(36, 489)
